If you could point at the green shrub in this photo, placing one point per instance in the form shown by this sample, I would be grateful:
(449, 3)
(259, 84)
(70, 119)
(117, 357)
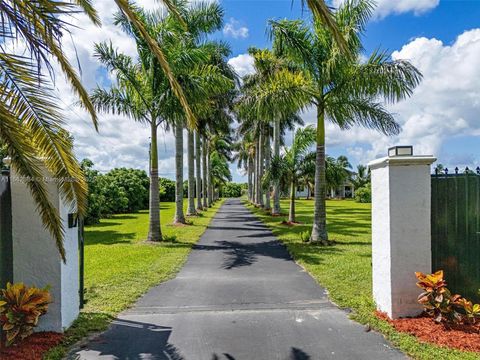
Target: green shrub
(135, 186)
(118, 191)
(167, 189)
(364, 194)
(231, 190)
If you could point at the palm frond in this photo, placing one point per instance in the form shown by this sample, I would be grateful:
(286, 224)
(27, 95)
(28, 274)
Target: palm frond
(323, 13)
(393, 80)
(24, 159)
(349, 111)
(116, 101)
(155, 48)
(90, 11)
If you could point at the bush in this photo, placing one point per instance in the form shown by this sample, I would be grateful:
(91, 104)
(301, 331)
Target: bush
(167, 190)
(231, 190)
(439, 303)
(134, 184)
(364, 194)
(20, 308)
(118, 191)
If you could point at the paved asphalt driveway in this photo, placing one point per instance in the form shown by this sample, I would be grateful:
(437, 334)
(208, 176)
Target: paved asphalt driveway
(239, 296)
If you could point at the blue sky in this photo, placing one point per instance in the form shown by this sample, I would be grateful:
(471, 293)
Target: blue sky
(440, 37)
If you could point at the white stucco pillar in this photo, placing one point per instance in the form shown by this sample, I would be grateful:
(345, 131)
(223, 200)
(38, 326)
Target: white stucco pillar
(36, 260)
(401, 240)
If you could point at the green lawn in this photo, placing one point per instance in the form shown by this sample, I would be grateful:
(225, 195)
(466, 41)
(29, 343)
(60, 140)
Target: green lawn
(345, 268)
(119, 267)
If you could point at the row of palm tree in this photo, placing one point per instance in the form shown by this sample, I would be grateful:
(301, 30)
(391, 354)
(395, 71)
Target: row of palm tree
(181, 81)
(143, 93)
(307, 67)
(32, 126)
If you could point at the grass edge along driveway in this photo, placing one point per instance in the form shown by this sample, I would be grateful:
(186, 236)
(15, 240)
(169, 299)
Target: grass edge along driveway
(345, 268)
(120, 267)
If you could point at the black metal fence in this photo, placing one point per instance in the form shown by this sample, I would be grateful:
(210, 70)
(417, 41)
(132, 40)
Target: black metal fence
(456, 229)
(6, 245)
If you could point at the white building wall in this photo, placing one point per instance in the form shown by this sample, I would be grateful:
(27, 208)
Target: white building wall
(36, 260)
(70, 270)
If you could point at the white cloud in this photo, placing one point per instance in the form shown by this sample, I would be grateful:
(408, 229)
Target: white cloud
(445, 105)
(243, 64)
(234, 29)
(387, 7)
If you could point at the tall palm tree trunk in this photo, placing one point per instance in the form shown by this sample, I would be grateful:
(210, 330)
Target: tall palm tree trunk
(250, 175)
(319, 229)
(154, 229)
(267, 168)
(276, 182)
(198, 172)
(257, 172)
(191, 173)
(179, 216)
(204, 171)
(291, 214)
(209, 180)
(254, 177)
(260, 170)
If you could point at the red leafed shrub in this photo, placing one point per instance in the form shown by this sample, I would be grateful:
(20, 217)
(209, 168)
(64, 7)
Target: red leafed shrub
(439, 302)
(20, 308)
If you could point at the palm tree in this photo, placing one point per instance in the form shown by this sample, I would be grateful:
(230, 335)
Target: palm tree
(136, 96)
(337, 171)
(143, 91)
(291, 165)
(217, 128)
(275, 93)
(219, 152)
(307, 173)
(346, 91)
(361, 177)
(244, 153)
(219, 171)
(198, 171)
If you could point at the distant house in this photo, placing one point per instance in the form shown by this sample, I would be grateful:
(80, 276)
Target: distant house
(345, 191)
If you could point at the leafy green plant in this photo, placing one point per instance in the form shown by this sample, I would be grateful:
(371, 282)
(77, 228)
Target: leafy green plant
(231, 190)
(364, 194)
(439, 302)
(305, 236)
(436, 298)
(20, 308)
(167, 189)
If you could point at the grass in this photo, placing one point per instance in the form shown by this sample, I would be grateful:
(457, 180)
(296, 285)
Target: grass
(120, 267)
(345, 268)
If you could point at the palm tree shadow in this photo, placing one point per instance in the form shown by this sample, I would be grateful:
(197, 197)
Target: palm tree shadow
(295, 354)
(133, 340)
(298, 354)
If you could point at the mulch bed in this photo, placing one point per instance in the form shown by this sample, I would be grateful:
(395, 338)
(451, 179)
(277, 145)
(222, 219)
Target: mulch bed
(33, 347)
(462, 337)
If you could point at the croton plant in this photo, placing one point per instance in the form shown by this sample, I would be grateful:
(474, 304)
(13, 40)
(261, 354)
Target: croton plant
(439, 302)
(20, 308)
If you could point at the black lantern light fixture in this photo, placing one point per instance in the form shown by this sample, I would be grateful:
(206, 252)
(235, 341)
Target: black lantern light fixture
(400, 151)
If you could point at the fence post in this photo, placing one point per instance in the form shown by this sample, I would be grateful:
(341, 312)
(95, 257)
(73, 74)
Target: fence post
(401, 234)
